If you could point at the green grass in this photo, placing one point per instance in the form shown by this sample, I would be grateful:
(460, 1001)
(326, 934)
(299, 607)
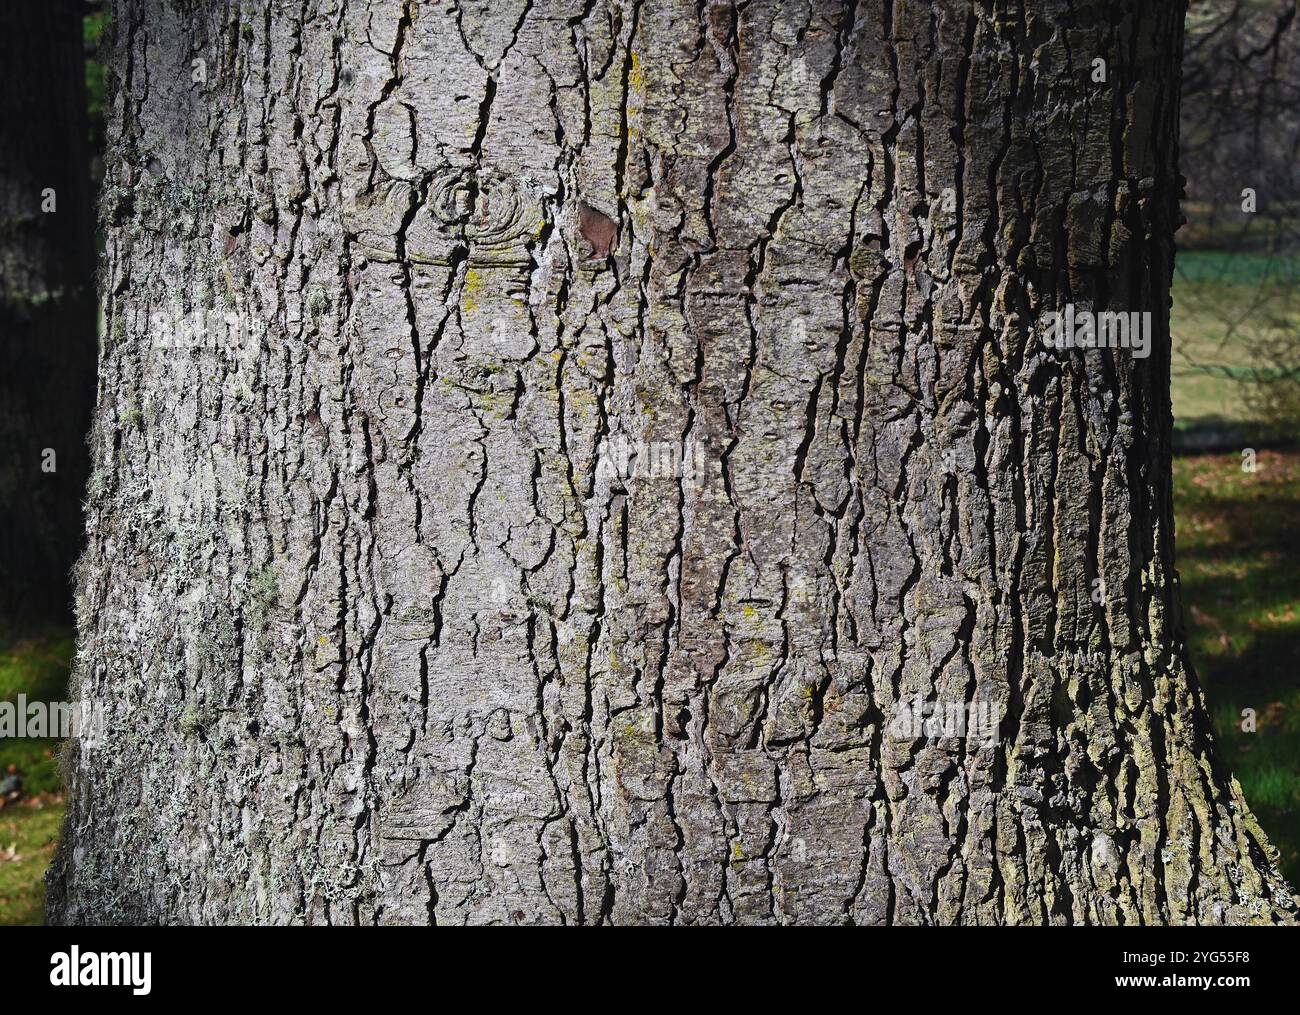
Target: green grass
(1228, 267)
(1240, 564)
(34, 664)
(1224, 305)
(37, 666)
(29, 832)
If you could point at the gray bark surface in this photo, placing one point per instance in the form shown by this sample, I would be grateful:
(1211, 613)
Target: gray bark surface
(384, 639)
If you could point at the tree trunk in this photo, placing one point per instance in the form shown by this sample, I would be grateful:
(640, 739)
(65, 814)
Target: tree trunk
(47, 305)
(641, 406)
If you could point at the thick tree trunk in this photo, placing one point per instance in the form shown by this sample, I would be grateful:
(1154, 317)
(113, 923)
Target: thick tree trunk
(492, 578)
(47, 305)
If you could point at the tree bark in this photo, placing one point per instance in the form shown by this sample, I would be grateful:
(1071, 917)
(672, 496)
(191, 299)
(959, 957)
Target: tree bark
(643, 404)
(47, 306)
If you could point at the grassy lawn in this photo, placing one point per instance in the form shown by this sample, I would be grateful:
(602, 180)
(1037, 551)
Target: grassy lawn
(29, 832)
(1237, 549)
(1224, 306)
(35, 664)
(1240, 563)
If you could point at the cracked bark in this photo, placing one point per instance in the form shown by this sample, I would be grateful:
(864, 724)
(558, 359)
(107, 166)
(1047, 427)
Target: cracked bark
(382, 641)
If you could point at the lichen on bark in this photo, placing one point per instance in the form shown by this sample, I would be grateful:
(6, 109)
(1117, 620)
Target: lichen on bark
(382, 637)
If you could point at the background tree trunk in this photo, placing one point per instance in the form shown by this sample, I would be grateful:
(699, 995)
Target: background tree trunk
(47, 305)
(384, 635)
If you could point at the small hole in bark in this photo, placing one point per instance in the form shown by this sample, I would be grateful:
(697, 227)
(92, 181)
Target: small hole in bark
(598, 229)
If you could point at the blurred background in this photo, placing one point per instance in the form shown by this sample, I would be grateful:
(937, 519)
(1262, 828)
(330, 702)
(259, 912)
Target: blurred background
(51, 129)
(1236, 393)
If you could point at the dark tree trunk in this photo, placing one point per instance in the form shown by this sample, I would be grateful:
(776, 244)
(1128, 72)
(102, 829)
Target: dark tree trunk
(47, 305)
(391, 624)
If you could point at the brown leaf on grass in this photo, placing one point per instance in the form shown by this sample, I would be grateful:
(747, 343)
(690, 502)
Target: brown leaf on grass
(1205, 619)
(1272, 714)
